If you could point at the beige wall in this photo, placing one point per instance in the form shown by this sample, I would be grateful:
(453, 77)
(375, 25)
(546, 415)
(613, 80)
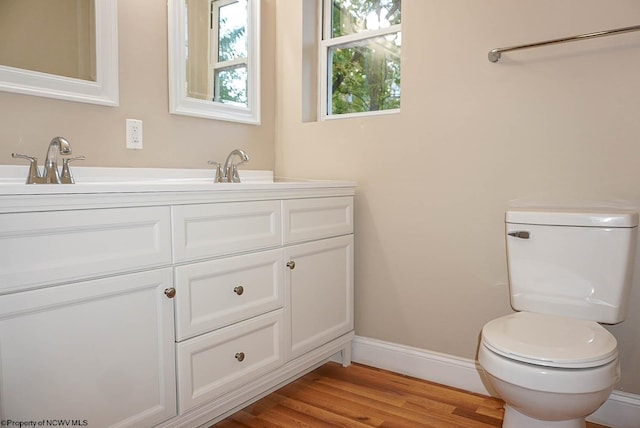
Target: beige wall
(27, 123)
(554, 125)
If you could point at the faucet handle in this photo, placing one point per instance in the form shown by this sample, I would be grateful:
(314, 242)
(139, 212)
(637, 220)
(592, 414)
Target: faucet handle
(234, 177)
(66, 177)
(34, 172)
(22, 156)
(218, 177)
(67, 160)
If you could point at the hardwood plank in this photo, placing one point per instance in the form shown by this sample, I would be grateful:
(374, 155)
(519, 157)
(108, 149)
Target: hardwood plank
(402, 412)
(423, 396)
(362, 397)
(326, 414)
(245, 420)
(416, 391)
(286, 416)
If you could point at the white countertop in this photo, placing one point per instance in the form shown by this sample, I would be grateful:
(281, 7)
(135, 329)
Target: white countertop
(98, 186)
(134, 180)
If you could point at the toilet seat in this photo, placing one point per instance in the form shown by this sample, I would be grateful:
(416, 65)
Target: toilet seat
(549, 340)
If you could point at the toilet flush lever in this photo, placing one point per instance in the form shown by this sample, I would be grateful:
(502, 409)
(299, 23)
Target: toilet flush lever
(522, 234)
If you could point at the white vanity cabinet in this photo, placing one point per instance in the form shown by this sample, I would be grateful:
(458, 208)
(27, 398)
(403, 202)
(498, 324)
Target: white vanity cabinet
(170, 309)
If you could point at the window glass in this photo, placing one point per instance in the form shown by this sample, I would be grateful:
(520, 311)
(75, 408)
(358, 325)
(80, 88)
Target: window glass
(231, 85)
(232, 31)
(355, 16)
(366, 76)
(229, 62)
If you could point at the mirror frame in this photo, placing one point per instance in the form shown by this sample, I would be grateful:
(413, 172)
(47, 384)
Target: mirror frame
(103, 91)
(179, 103)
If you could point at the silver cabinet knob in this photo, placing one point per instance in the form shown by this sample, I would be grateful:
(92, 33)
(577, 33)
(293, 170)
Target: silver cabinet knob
(238, 290)
(291, 265)
(240, 356)
(170, 292)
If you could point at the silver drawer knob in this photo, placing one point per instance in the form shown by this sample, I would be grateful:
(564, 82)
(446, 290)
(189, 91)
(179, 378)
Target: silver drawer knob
(291, 265)
(238, 290)
(170, 292)
(240, 356)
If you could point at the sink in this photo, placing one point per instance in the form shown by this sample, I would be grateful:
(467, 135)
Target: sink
(134, 180)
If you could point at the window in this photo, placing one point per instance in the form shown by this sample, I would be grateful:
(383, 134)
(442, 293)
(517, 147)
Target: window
(360, 57)
(228, 64)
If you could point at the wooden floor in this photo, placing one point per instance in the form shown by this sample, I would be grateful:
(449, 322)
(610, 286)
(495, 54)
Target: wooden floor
(361, 396)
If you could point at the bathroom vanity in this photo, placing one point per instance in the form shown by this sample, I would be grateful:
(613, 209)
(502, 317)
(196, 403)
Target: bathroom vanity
(171, 302)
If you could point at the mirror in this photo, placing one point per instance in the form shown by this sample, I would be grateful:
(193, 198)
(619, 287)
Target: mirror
(65, 49)
(214, 59)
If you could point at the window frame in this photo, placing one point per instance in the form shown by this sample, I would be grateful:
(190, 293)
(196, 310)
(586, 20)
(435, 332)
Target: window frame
(324, 60)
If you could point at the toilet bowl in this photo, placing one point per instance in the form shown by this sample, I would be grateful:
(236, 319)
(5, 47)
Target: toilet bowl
(526, 407)
(550, 371)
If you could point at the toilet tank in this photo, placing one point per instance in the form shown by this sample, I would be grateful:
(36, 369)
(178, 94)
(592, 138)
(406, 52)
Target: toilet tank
(571, 263)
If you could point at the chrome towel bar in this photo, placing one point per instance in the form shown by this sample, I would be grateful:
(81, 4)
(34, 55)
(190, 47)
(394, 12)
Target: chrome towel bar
(494, 54)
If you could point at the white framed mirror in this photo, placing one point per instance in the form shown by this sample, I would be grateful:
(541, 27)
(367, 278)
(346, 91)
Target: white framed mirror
(214, 59)
(68, 51)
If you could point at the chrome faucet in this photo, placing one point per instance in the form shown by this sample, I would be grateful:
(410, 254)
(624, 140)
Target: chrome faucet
(230, 170)
(228, 173)
(50, 175)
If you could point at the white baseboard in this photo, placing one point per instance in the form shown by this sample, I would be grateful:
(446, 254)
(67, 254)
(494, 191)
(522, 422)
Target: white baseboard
(432, 366)
(622, 410)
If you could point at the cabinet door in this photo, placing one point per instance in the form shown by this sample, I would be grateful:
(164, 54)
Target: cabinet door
(98, 351)
(320, 292)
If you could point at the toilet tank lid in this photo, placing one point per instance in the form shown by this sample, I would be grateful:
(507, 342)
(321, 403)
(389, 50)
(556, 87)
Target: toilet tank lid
(573, 217)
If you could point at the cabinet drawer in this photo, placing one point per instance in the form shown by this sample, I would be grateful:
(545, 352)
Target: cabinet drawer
(208, 230)
(43, 248)
(216, 293)
(307, 219)
(218, 362)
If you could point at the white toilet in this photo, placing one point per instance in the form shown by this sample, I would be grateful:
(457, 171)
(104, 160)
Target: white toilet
(551, 362)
